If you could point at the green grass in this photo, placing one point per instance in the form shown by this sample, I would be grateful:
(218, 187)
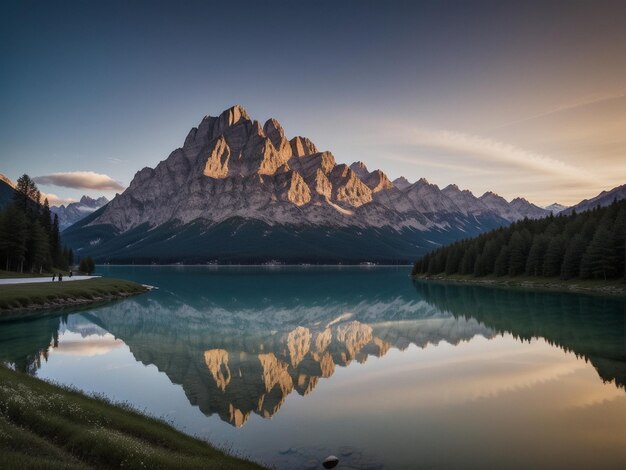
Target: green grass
(37, 295)
(43, 426)
(612, 286)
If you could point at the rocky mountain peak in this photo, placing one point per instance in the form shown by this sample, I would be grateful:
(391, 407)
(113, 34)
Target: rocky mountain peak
(378, 181)
(231, 166)
(233, 115)
(301, 146)
(401, 183)
(493, 196)
(274, 131)
(360, 169)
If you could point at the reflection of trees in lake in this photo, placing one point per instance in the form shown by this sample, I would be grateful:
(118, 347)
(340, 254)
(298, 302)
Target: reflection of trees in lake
(23, 345)
(592, 327)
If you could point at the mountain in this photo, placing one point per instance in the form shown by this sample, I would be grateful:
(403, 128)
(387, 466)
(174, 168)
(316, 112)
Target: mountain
(76, 211)
(555, 208)
(239, 191)
(603, 199)
(7, 189)
(519, 208)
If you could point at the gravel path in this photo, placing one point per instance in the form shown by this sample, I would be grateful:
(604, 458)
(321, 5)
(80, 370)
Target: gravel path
(29, 280)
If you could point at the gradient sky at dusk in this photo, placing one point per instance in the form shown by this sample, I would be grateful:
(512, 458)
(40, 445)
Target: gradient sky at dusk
(522, 98)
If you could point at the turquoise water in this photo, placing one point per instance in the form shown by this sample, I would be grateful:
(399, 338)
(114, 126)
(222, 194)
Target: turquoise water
(289, 365)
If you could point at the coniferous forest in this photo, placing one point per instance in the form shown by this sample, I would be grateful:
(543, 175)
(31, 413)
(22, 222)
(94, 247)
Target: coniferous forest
(29, 236)
(588, 245)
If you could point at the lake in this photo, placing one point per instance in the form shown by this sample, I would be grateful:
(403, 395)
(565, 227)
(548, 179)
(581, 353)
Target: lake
(287, 365)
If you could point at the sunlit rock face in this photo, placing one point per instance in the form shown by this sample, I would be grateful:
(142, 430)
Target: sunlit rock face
(232, 166)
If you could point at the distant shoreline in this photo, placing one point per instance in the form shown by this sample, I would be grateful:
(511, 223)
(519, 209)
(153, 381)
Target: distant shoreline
(408, 265)
(616, 287)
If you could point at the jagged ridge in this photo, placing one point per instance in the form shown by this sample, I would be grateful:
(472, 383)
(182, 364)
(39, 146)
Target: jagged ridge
(231, 166)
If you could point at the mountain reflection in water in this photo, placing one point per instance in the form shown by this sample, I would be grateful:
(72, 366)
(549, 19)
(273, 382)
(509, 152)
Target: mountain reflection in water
(239, 348)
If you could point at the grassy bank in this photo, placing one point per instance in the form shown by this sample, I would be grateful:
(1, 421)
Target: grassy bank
(593, 286)
(45, 426)
(23, 297)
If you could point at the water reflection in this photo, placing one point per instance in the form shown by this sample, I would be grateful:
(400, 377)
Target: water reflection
(237, 355)
(592, 327)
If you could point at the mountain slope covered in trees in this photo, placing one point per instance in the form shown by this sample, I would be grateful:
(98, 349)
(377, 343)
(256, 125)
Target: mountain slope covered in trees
(29, 234)
(587, 245)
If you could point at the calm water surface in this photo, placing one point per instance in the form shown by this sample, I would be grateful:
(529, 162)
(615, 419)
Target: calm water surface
(288, 365)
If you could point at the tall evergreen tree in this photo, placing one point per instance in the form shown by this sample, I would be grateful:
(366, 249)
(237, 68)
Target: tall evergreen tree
(16, 237)
(38, 247)
(573, 256)
(554, 257)
(600, 257)
(25, 193)
(536, 254)
(518, 251)
(501, 265)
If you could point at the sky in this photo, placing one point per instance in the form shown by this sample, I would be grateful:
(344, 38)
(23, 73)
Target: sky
(520, 98)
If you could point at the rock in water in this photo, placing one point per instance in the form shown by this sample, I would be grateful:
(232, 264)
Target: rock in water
(330, 462)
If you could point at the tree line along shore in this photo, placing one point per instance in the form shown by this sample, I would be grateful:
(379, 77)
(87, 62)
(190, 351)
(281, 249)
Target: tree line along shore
(577, 248)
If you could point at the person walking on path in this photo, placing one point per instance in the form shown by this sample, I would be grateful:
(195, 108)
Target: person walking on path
(54, 277)
(60, 277)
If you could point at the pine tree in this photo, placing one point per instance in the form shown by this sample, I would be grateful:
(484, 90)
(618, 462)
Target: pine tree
(15, 238)
(619, 242)
(518, 251)
(453, 260)
(55, 243)
(25, 193)
(554, 257)
(536, 254)
(501, 265)
(600, 257)
(91, 266)
(573, 257)
(468, 260)
(38, 247)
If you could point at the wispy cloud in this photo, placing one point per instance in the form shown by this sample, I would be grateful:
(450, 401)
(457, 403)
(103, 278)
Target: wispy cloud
(489, 150)
(80, 180)
(569, 107)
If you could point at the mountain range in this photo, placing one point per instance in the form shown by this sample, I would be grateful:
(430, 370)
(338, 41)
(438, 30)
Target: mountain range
(603, 199)
(239, 191)
(76, 211)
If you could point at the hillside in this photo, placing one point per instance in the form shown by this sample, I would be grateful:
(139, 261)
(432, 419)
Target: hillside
(587, 245)
(7, 191)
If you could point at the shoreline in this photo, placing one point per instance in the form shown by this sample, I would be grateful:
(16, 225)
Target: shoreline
(19, 300)
(614, 288)
(45, 425)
